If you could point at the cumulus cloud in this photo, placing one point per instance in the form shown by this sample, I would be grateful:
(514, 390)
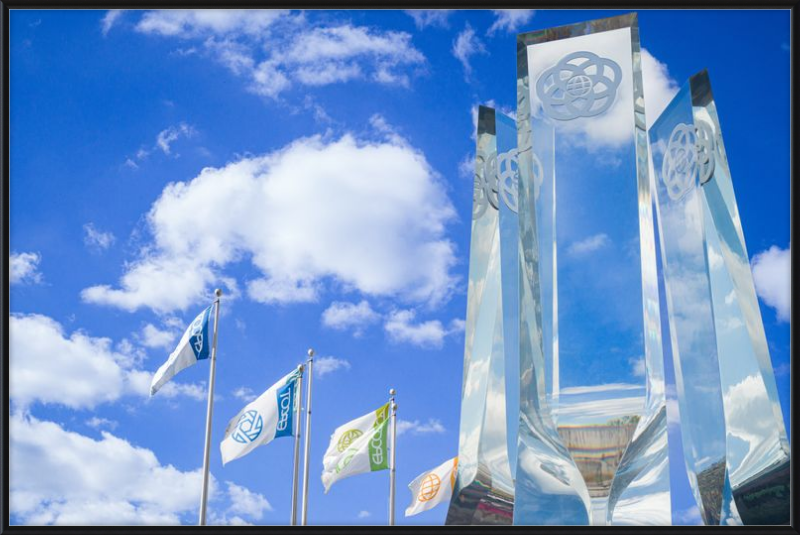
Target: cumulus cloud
(284, 212)
(274, 49)
(688, 517)
(432, 426)
(589, 245)
(363, 514)
(325, 365)
(97, 423)
(152, 336)
(430, 17)
(466, 45)
(400, 327)
(96, 239)
(60, 477)
(772, 275)
(342, 316)
(510, 20)
(24, 268)
(77, 371)
(110, 19)
(659, 86)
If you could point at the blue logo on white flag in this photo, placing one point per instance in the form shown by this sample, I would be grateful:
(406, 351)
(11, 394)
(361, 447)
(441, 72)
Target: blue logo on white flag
(285, 409)
(198, 337)
(249, 427)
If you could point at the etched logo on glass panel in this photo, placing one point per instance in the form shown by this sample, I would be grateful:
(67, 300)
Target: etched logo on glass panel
(485, 189)
(508, 178)
(582, 84)
(690, 150)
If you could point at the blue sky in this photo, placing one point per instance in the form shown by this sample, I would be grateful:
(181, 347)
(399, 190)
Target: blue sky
(317, 167)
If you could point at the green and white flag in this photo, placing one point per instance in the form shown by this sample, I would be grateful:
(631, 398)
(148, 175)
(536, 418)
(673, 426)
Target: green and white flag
(356, 447)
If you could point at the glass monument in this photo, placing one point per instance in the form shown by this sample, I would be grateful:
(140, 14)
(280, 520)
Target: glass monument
(734, 440)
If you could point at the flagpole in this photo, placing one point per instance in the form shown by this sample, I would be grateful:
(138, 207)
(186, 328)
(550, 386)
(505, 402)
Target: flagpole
(304, 515)
(393, 408)
(296, 464)
(209, 410)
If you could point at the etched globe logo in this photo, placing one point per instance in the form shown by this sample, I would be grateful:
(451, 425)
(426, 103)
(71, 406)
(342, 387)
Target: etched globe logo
(581, 84)
(578, 86)
(248, 427)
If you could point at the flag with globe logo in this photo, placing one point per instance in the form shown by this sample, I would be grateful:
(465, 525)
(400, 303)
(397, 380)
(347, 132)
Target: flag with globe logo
(268, 417)
(431, 488)
(195, 345)
(357, 447)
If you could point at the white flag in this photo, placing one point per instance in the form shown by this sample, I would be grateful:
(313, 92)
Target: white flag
(194, 345)
(356, 447)
(432, 488)
(268, 417)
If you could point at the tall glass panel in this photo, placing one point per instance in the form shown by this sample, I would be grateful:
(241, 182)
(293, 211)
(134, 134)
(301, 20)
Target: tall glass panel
(719, 346)
(583, 154)
(484, 490)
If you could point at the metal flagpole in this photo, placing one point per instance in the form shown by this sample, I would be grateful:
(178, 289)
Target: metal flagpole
(304, 515)
(296, 465)
(206, 453)
(393, 408)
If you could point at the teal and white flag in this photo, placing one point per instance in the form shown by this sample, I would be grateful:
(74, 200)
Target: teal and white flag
(356, 447)
(268, 417)
(194, 345)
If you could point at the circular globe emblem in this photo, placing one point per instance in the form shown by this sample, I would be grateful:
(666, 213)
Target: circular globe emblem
(248, 427)
(681, 161)
(578, 85)
(347, 438)
(581, 84)
(485, 190)
(508, 178)
(705, 151)
(429, 488)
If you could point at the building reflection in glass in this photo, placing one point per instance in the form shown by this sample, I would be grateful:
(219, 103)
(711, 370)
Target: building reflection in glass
(734, 438)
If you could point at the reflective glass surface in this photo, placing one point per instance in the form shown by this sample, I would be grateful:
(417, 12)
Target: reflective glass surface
(484, 490)
(716, 322)
(583, 156)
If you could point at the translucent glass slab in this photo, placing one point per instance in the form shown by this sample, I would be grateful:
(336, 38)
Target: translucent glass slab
(484, 491)
(734, 438)
(588, 235)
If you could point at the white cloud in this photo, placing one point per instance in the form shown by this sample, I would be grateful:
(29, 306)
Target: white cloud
(96, 239)
(152, 336)
(245, 394)
(61, 477)
(688, 517)
(589, 245)
(325, 365)
(510, 20)
(637, 366)
(168, 136)
(659, 86)
(97, 423)
(465, 46)
(110, 19)
(246, 502)
(273, 49)
(400, 327)
(430, 17)
(284, 211)
(598, 410)
(24, 268)
(772, 271)
(187, 23)
(363, 514)
(342, 315)
(431, 427)
(78, 371)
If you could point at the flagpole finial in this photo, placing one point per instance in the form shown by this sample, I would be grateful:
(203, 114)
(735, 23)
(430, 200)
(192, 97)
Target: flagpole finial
(391, 392)
(218, 292)
(310, 353)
